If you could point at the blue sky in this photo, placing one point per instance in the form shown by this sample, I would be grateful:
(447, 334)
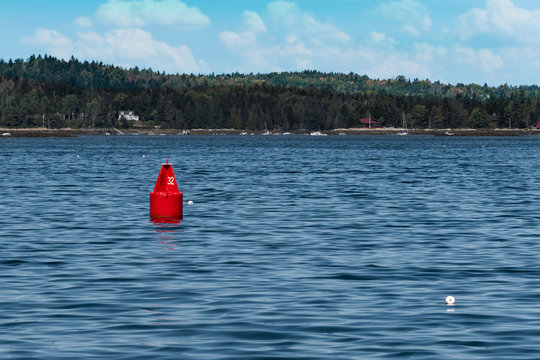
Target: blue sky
(467, 41)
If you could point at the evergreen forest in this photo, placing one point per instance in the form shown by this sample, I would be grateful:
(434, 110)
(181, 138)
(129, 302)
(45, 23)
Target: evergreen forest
(44, 91)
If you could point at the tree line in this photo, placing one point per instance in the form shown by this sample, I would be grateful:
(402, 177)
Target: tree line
(55, 93)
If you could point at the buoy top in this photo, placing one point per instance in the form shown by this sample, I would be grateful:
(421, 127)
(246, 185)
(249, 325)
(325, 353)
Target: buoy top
(166, 181)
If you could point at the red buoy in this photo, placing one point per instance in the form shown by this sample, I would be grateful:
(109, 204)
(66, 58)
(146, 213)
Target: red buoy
(166, 199)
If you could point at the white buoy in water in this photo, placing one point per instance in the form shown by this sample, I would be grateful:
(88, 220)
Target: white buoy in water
(144, 155)
(190, 202)
(450, 300)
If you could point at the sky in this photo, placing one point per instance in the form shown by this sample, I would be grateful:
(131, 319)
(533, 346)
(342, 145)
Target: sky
(458, 41)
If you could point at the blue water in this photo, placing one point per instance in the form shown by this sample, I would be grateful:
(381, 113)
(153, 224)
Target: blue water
(296, 247)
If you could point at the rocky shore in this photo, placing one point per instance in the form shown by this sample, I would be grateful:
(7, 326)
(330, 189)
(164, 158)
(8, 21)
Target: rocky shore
(43, 132)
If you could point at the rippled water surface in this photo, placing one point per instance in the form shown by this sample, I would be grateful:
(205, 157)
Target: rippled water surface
(296, 247)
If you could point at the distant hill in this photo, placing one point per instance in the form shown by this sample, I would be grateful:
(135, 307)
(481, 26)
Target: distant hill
(46, 90)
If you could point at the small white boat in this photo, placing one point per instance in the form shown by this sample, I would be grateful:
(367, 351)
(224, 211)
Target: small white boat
(6, 134)
(266, 132)
(404, 125)
(318, 133)
(244, 132)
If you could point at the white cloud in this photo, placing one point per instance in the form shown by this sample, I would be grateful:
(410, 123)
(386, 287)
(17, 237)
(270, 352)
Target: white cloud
(50, 37)
(237, 41)
(127, 44)
(55, 42)
(296, 40)
(291, 39)
(380, 58)
(254, 22)
(125, 47)
(137, 13)
(381, 38)
(383, 63)
(405, 11)
(424, 61)
(136, 45)
(247, 39)
(502, 18)
(489, 61)
(83, 22)
(287, 12)
(377, 37)
(246, 44)
(430, 53)
(411, 30)
(304, 24)
(482, 59)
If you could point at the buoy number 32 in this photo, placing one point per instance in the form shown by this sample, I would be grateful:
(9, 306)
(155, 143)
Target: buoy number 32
(170, 180)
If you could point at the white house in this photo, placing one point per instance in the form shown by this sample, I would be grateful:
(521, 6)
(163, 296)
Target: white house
(128, 115)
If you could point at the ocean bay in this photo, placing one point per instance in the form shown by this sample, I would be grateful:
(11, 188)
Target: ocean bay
(295, 247)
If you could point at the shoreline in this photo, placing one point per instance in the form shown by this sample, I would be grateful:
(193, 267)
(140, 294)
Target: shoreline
(66, 132)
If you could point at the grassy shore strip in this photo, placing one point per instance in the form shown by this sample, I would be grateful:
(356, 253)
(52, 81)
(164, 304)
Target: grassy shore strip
(43, 132)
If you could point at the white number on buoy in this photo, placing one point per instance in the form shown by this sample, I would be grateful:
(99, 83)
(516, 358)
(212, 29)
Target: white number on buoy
(170, 180)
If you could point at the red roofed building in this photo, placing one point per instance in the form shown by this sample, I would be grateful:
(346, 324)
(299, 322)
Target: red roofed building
(538, 124)
(369, 124)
